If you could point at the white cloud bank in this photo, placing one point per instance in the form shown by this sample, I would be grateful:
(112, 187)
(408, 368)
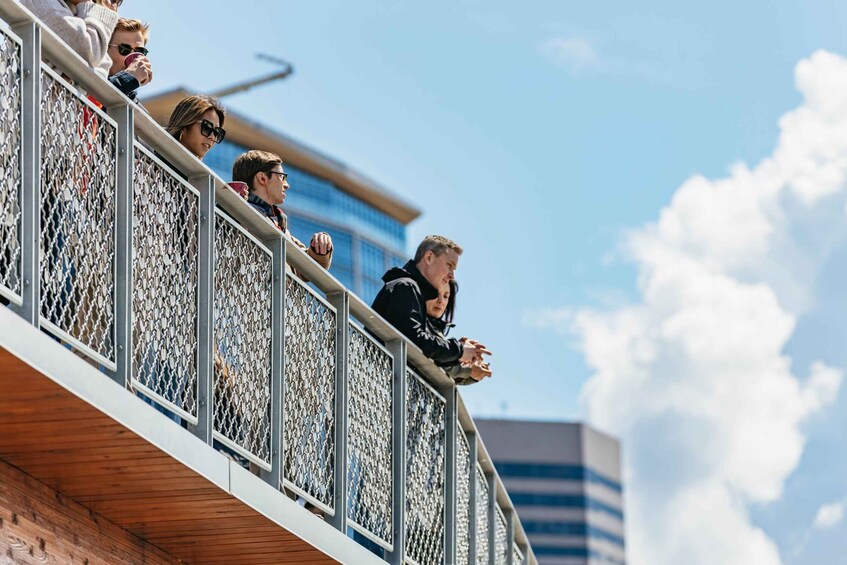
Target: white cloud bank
(694, 378)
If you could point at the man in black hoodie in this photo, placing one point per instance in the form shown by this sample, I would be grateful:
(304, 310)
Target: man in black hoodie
(402, 301)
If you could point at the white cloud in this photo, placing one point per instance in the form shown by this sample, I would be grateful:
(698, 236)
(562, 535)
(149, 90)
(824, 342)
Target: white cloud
(694, 377)
(573, 53)
(829, 515)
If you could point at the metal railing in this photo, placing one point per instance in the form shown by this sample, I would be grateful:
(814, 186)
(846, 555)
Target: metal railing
(124, 246)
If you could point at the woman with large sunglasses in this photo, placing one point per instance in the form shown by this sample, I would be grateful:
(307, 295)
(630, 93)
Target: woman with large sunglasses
(197, 123)
(85, 25)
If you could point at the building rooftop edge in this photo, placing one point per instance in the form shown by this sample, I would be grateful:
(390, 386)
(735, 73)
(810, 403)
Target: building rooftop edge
(550, 422)
(250, 133)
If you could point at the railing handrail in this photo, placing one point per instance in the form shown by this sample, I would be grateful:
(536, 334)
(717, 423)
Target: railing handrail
(154, 135)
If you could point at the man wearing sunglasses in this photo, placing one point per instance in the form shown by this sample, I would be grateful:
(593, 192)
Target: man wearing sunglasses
(129, 37)
(267, 182)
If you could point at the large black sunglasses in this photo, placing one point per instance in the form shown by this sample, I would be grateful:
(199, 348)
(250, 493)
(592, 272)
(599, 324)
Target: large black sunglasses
(207, 128)
(125, 49)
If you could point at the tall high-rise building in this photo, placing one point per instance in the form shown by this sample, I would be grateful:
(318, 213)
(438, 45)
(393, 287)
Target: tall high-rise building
(366, 221)
(565, 482)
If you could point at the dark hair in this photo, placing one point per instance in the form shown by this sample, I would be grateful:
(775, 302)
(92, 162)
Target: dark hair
(248, 165)
(450, 309)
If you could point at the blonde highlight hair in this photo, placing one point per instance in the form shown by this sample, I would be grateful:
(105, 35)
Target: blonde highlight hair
(127, 24)
(190, 110)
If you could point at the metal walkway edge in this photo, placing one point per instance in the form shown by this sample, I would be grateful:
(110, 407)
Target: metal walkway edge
(73, 428)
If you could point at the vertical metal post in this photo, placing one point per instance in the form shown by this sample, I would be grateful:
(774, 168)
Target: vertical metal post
(278, 249)
(510, 536)
(473, 448)
(450, 473)
(341, 302)
(205, 297)
(492, 519)
(123, 115)
(398, 513)
(30, 308)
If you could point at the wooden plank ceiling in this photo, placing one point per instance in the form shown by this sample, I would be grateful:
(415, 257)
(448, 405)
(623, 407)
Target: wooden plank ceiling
(65, 443)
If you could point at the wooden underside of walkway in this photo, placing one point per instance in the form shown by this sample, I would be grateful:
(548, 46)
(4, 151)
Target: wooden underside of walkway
(71, 447)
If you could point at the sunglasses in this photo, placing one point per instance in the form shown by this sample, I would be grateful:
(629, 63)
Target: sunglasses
(125, 49)
(282, 176)
(207, 128)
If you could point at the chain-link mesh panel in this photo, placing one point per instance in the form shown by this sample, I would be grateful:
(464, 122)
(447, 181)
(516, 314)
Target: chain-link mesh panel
(369, 437)
(309, 406)
(10, 167)
(425, 451)
(78, 177)
(165, 232)
(463, 498)
(242, 348)
(501, 538)
(481, 517)
(517, 555)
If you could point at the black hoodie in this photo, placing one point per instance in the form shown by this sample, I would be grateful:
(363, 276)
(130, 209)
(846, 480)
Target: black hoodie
(402, 302)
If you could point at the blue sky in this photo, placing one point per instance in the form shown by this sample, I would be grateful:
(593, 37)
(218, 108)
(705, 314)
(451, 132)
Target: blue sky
(541, 138)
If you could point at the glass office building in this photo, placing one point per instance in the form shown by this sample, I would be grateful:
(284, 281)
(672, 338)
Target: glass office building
(367, 223)
(565, 482)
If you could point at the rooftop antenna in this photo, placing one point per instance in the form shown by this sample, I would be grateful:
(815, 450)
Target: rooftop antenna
(287, 70)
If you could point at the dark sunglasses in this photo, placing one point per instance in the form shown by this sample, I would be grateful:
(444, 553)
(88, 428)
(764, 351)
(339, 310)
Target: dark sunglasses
(282, 176)
(207, 128)
(125, 49)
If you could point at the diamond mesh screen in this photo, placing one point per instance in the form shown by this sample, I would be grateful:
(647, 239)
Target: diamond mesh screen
(481, 517)
(517, 556)
(501, 539)
(78, 177)
(309, 414)
(165, 233)
(10, 167)
(242, 348)
(370, 464)
(463, 498)
(425, 451)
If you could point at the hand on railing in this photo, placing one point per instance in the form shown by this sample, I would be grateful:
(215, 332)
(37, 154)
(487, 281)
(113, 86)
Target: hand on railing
(321, 243)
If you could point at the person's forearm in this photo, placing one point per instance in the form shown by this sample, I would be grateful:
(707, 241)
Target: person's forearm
(323, 260)
(124, 82)
(87, 33)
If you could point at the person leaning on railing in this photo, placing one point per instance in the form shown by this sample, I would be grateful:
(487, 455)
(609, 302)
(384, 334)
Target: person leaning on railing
(85, 25)
(402, 301)
(128, 43)
(267, 184)
(197, 123)
(440, 312)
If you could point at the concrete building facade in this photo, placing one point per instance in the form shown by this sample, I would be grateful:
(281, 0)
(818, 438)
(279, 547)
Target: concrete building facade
(565, 482)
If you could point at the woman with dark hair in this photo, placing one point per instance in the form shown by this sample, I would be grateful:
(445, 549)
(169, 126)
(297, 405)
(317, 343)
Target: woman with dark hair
(197, 123)
(440, 311)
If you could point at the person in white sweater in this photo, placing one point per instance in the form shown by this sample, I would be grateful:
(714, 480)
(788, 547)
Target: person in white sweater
(85, 25)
